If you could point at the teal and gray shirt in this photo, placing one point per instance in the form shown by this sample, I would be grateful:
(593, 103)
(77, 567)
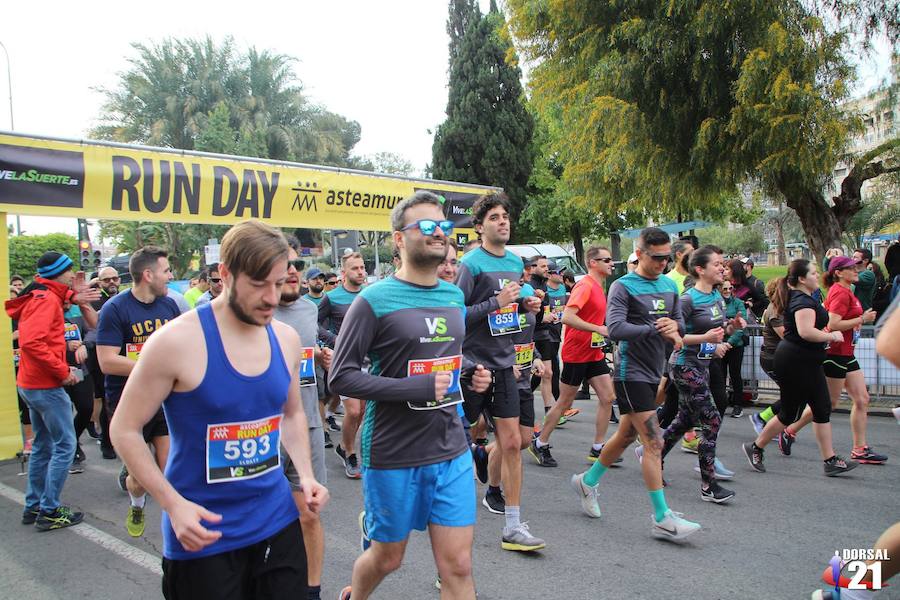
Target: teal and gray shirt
(407, 332)
(555, 302)
(633, 306)
(526, 352)
(313, 299)
(481, 277)
(332, 309)
(301, 315)
(701, 312)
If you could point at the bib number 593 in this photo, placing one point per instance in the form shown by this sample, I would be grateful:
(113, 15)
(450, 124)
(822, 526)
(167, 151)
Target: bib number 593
(247, 449)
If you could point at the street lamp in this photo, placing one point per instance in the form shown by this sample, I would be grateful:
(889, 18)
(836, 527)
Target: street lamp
(12, 123)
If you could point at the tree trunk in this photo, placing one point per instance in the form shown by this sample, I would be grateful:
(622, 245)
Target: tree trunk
(779, 235)
(820, 224)
(615, 240)
(578, 242)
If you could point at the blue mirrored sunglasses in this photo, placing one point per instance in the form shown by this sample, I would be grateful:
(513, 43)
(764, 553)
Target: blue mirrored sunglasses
(429, 226)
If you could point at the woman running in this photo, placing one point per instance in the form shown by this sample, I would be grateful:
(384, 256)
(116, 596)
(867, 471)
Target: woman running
(703, 311)
(845, 315)
(798, 365)
(773, 333)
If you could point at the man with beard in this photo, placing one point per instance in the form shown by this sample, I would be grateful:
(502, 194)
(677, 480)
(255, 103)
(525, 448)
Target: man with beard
(417, 471)
(332, 309)
(126, 322)
(215, 286)
(302, 316)
(108, 281)
(315, 281)
(227, 377)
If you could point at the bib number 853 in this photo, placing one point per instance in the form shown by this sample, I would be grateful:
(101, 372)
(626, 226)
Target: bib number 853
(247, 449)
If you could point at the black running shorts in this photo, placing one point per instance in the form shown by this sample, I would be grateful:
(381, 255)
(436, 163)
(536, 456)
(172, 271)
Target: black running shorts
(575, 373)
(500, 400)
(837, 367)
(635, 396)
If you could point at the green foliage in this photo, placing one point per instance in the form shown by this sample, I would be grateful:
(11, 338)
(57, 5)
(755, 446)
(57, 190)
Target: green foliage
(196, 94)
(486, 138)
(741, 240)
(25, 250)
(877, 214)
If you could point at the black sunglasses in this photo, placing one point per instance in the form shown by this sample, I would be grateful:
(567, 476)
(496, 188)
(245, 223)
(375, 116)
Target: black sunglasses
(215, 280)
(297, 263)
(331, 282)
(660, 257)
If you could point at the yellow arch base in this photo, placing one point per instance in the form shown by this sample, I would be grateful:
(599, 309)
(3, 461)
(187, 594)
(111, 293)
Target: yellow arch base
(10, 430)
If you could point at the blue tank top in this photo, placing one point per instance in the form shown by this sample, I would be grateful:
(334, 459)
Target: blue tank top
(224, 455)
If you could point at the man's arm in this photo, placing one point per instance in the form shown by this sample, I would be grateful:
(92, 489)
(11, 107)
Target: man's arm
(617, 316)
(474, 312)
(109, 343)
(353, 343)
(147, 387)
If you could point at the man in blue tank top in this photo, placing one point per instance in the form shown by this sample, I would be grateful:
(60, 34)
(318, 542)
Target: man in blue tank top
(227, 377)
(416, 465)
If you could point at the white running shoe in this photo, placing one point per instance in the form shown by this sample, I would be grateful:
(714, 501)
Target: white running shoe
(639, 452)
(896, 412)
(588, 495)
(673, 527)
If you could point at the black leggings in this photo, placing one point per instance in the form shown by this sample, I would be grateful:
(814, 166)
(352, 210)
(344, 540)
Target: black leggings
(732, 362)
(82, 396)
(667, 411)
(554, 380)
(802, 383)
(768, 365)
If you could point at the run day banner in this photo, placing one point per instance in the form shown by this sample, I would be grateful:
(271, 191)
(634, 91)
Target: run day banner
(50, 177)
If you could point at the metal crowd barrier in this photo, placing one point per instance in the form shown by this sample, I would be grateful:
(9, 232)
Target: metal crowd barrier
(882, 378)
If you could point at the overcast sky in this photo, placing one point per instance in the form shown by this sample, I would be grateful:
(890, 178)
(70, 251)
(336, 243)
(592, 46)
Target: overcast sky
(383, 64)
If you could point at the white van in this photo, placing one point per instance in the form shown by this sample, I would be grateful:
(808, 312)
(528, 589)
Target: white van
(563, 259)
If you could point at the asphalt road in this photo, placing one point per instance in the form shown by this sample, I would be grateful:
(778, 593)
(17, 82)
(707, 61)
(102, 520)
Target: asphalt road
(772, 542)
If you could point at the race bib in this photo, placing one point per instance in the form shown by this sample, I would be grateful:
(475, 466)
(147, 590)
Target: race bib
(597, 340)
(706, 351)
(133, 351)
(72, 333)
(855, 336)
(524, 354)
(505, 320)
(307, 367)
(424, 366)
(236, 451)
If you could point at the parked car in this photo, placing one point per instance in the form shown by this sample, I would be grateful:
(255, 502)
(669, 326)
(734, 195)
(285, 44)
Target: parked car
(562, 258)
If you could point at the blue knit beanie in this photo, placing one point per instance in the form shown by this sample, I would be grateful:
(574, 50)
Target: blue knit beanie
(52, 264)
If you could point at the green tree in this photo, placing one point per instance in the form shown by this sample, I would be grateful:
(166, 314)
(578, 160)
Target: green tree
(25, 250)
(673, 105)
(877, 214)
(486, 138)
(738, 240)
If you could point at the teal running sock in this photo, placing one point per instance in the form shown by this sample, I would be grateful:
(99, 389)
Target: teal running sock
(658, 500)
(593, 475)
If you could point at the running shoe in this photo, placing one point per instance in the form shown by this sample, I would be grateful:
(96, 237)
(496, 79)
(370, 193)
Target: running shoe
(123, 475)
(612, 415)
(758, 423)
(344, 594)
(722, 472)
(690, 445)
(30, 515)
(541, 455)
(328, 442)
(594, 456)
(785, 441)
(437, 582)
(571, 412)
(333, 424)
(62, 517)
(716, 493)
(79, 454)
(587, 494)
(108, 453)
(673, 527)
(134, 522)
(76, 467)
(562, 421)
(92, 431)
(520, 539)
(754, 456)
(866, 456)
(480, 457)
(837, 465)
(896, 411)
(351, 466)
(495, 503)
(737, 412)
(364, 540)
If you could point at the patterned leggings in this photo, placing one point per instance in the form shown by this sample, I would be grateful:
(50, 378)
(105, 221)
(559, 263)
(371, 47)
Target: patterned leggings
(695, 408)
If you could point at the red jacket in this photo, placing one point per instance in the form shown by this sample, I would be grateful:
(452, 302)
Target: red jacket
(42, 342)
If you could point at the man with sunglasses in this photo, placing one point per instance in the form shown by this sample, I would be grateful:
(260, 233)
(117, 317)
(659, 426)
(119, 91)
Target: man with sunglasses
(215, 286)
(644, 316)
(108, 281)
(582, 352)
(489, 278)
(332, 310)
(417, 469)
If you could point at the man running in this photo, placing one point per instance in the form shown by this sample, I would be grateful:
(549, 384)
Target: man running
(227, 377)
(644, 316)
(548, 336)
(582, 353)
(489, 278)
(126, 323)
(332, 310)
(417, 470)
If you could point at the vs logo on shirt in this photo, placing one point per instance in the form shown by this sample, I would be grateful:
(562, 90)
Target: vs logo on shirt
(658, 306)
(436, 326)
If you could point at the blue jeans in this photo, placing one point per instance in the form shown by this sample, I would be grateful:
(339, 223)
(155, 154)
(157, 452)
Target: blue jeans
(53, 448)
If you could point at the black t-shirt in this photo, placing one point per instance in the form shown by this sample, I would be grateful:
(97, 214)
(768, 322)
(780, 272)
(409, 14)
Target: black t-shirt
(798, 301)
